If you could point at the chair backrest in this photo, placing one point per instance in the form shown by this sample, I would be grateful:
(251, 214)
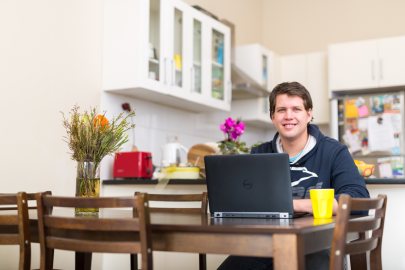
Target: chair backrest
(177, 203)
(94, 234)
(369, 228)
(14, 225)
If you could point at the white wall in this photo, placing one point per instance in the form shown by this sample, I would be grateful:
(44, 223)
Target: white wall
(291, 26)
(50, 59)
(50, 55)
(247, 16)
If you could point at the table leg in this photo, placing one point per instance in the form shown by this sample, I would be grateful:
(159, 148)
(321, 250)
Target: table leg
(83, 261)
(288, 252)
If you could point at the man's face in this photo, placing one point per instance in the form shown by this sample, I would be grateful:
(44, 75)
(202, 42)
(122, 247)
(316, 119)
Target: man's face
(290, 117)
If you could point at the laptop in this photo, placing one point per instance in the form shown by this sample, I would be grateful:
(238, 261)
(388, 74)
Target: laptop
(249, 186)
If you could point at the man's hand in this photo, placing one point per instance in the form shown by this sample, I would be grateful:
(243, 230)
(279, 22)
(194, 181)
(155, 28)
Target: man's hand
(305, 205)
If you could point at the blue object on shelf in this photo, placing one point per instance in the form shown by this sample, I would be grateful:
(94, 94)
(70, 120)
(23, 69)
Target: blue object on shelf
(220, 55)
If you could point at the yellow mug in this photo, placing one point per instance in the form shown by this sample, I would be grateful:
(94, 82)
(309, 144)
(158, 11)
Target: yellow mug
(322, 202)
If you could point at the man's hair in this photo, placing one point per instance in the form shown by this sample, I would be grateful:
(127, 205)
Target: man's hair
(290, 89)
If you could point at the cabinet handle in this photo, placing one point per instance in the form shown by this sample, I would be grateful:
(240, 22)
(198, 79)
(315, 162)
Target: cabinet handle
(173, 72)
(372, 70)
(381, 69)
(165, 70)
(192, 89)
(228, 91)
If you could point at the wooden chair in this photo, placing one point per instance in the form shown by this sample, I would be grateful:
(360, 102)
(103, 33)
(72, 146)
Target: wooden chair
(91, 234)
(15, 226)
(20, 202)
(201, 199)
(369, 228)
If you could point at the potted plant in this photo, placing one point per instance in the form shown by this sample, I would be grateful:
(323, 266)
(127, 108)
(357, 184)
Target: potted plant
(91, 137)
(232, 130)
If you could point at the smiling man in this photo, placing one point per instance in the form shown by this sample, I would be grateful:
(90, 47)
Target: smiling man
(316, 161)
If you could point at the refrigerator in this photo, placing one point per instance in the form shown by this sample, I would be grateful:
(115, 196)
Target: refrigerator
(371, 124)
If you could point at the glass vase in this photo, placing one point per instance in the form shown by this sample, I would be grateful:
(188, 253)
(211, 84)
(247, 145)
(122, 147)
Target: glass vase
(87, 184)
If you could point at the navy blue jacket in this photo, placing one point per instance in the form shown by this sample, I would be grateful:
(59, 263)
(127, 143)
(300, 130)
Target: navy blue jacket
(328, 165)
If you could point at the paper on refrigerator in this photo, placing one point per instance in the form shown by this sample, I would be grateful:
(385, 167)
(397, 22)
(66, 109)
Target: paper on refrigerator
(381, 133)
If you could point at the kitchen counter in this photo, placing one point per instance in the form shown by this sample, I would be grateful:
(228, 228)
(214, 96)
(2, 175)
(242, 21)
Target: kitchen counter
(385, 181)
(153, 182)
(369, 181)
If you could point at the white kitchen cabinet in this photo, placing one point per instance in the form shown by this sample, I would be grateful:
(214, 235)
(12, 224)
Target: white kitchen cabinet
(261, 66)
(391, 52)
(310, 70)
(367, 64)
(258, 63)
(254, 112)
(164, 51)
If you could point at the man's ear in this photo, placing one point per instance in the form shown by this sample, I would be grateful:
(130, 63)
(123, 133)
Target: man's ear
(310, 115)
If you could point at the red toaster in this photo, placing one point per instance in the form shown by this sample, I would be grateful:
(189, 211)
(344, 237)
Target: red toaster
(133, 165)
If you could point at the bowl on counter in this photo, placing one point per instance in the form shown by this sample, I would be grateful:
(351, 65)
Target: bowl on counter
(175, 172)
(366, 170)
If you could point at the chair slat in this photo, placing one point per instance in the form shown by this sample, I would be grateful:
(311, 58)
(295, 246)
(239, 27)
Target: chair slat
(9, 219)
(93, 246)
(364, 225)
(9, 239)
(88, 224)
(8, 199)
(104, 202)
(361, 246)
(360, 204)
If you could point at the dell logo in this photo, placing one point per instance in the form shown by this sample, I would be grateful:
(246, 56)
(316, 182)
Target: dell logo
(247, 184)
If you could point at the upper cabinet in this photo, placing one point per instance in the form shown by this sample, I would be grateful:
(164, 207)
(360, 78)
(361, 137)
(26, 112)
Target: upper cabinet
(167, 52)
(254, 111)
(367, 64)
(310, 70)
(258, 64)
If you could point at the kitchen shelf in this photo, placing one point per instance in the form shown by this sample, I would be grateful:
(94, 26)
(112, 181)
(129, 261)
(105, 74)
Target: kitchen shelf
(134, 181)
(137, 181)
(385, 181)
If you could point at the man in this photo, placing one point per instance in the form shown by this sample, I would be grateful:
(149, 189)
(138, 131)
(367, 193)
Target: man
(316, 161)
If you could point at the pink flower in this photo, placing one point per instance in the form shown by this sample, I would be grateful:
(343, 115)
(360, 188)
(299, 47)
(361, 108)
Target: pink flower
(232, 129)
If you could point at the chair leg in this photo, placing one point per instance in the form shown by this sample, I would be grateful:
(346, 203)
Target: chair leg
(49, 259)
(83, 260)
(202, 261)
(134, 261)
(358, 261)
(25, 257)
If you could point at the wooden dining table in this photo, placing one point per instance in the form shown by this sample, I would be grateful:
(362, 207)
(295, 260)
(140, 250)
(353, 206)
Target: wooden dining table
(286, 240)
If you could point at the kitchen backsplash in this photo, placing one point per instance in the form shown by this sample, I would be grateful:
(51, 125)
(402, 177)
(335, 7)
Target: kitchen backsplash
(156, 123)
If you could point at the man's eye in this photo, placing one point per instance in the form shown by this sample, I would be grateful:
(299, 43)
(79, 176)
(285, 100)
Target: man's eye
(281, 110)
(297, 109)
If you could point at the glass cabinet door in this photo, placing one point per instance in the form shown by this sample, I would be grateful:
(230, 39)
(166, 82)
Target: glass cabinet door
(217, 65)
(265, 106)
(177, 61)
(196, 69)
(154, 63)
(265, 70)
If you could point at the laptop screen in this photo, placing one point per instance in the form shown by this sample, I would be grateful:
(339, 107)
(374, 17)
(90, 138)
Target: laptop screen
(249, 185)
